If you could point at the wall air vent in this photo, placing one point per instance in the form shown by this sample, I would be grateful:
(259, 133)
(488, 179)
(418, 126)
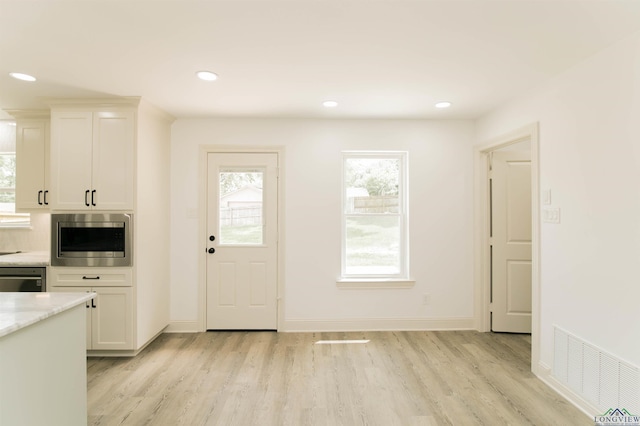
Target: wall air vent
(597, 376)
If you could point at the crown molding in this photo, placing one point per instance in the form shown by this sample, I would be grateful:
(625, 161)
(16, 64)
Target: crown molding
(22, 114)
(131, 101)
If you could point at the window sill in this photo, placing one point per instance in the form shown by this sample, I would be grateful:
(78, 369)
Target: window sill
(370, 283)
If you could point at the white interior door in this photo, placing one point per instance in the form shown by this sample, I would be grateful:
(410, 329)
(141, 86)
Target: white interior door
(510, 179)
(242, 226)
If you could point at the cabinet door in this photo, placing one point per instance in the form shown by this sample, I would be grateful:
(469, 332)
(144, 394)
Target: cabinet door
(113, 160)
(88, 306)
(71, 149)
(32, 165)
(112, 319)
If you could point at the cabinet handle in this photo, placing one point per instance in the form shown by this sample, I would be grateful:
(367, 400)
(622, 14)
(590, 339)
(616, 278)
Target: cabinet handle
(86, 198)
(91, 278)
(93, 193)
(93, 303)
(40, 198)
(46, 203)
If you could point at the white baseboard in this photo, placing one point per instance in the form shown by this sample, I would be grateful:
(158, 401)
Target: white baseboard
(544, 373)
(183, 327)
(360, 324)
(377, 324)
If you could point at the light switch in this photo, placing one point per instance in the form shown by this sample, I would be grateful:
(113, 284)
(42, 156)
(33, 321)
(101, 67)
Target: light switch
(551, 215)
(546, 197)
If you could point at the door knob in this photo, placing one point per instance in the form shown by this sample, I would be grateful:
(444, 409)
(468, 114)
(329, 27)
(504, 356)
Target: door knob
(211, 250)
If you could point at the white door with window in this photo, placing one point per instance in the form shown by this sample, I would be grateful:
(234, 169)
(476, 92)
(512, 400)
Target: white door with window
(511, 242)
(242, 237)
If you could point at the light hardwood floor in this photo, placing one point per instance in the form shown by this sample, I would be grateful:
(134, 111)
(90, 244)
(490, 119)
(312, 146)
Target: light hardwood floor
(268, 378)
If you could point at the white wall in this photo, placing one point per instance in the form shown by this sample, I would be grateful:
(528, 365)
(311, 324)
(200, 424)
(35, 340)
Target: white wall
(441, 198)
(589, 121)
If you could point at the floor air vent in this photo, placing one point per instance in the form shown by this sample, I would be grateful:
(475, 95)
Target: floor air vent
(595, 375)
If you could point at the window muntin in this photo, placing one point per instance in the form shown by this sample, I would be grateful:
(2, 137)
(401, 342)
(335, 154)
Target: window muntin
(374, 222)
(8, 216)
(241, 206)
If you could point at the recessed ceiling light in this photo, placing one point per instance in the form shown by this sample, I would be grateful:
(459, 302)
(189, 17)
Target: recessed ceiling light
(330, 104)
(443, 104)
(21, 76)
(207, 75)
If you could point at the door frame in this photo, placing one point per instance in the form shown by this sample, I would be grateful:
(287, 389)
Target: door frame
(204, 151)
(482, 288)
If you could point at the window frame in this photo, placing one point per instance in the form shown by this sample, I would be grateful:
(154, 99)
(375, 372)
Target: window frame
(403, 214)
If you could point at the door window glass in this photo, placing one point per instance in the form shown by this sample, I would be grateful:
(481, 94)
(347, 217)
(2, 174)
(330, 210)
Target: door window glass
(241, 207)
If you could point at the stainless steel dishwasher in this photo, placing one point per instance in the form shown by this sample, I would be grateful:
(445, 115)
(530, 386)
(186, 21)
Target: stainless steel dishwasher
(16, 278)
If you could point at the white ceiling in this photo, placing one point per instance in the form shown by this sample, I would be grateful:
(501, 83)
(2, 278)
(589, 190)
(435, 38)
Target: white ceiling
(275, 58)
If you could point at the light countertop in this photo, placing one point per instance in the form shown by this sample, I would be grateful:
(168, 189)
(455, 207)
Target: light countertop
(19, 310)
(30, 258)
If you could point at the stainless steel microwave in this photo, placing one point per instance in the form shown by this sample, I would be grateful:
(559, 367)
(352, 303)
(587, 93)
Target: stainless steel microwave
(92, 239)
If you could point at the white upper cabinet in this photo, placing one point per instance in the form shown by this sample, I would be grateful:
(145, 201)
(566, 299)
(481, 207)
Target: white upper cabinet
(32, 165)
(71, 149)
(92, 160)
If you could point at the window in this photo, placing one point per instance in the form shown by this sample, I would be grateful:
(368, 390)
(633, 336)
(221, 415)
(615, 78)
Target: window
(374, 219)
(241, 207)
(8, 216)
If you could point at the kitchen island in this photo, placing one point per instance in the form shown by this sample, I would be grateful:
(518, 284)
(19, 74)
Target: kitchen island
(43, 359)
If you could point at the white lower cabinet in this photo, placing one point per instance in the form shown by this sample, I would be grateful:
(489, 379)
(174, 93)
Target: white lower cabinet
(110, 322)
(109, 317)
